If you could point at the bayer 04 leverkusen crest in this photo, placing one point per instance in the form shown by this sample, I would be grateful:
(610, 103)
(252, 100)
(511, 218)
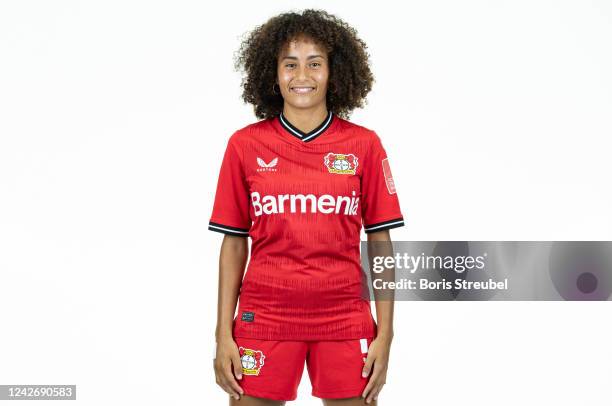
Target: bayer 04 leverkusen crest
(252, 361)
(341, 163)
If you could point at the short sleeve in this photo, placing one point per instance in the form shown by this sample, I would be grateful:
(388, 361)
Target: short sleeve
(380, 205)
(230, 214)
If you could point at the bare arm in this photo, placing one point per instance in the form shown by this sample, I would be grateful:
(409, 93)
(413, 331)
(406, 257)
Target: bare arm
(378, 353)
(232, 261)
(384, 307)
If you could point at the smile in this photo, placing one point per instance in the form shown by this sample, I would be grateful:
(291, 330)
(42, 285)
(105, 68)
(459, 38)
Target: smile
(302, 90)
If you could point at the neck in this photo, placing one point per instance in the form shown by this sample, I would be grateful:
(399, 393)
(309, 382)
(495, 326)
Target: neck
(305, 120)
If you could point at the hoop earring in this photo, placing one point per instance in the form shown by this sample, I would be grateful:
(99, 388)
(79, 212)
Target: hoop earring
(273, 92)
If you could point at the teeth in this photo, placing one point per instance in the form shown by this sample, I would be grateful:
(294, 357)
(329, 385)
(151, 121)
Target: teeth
(302, 89)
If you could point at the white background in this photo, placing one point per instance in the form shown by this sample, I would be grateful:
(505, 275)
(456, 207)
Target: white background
(114, 115)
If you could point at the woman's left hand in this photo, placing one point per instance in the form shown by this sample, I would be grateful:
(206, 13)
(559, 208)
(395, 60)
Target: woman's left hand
(378, 360)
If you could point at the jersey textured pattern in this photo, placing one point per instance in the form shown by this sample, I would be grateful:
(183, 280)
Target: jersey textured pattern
(302, 198)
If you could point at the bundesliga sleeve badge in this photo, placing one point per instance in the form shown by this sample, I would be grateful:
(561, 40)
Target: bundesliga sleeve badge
(388, 176)
(252, 361)
(341, 163)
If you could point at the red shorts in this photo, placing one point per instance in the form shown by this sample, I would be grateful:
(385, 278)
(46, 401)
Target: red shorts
(273, 369)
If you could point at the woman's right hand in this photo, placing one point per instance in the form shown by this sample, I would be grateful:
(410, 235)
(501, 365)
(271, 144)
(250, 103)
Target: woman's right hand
(228, 356)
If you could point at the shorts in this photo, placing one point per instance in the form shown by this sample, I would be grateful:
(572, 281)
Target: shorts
(273, 369)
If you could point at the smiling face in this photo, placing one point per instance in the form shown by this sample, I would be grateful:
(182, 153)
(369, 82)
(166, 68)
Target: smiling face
(303, 73)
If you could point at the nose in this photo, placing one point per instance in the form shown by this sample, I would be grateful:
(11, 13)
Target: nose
(302, 72)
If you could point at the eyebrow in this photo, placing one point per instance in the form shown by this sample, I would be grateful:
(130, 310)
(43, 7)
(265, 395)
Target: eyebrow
(309, 57)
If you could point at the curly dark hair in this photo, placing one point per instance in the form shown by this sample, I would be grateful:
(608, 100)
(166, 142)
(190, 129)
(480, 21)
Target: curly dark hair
(350, 76)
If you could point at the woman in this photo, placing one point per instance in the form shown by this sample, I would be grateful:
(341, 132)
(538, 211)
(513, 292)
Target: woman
(301, 182)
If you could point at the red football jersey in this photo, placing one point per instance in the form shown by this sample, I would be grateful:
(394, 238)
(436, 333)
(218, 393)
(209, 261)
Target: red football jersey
(302, 198)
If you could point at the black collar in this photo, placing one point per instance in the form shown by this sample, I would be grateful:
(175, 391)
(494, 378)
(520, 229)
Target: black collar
(309, 136)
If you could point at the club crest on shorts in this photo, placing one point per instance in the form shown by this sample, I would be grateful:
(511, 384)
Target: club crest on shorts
(341, 163)
(252, 361)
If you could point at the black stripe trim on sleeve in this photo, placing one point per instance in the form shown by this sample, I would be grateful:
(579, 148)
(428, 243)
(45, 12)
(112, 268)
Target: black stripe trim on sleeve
(229, 230)
(385, 225)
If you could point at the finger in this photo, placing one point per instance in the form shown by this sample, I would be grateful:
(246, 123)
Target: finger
(230, 380)
(368, 399)
(224, 380)
(237, 364)
(375, 392)
(372, 382)
(227, 388)
(218, 377)
(367, 389)
(367, 367)
(370, 389)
